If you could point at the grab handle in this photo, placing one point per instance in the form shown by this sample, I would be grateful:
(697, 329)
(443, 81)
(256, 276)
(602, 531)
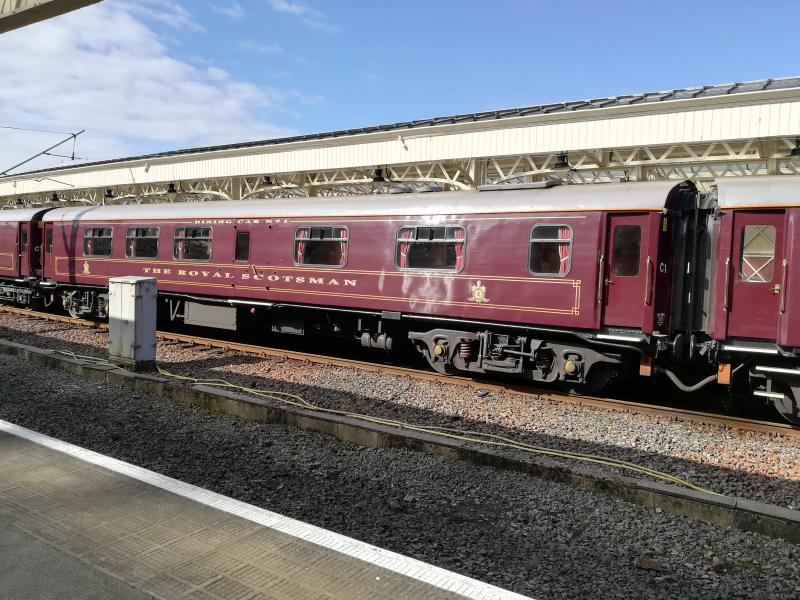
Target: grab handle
(601, 273)
(727, 284)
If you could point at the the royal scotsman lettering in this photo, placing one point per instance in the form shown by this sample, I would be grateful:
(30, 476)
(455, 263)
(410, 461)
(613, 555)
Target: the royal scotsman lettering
(249, 276)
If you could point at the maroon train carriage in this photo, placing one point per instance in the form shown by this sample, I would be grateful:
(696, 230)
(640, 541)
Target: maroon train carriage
(569, 284)
(20, 253)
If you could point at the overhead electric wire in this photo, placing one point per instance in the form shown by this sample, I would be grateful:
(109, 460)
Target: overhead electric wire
(34, 130)
(71, 136)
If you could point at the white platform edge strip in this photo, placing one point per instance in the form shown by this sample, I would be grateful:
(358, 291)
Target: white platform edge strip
(386, 559)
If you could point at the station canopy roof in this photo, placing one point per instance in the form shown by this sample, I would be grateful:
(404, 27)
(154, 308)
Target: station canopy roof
(576, 106)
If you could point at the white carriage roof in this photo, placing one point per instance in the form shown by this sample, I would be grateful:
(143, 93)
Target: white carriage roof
(611, 196)
(21, 214)
(763, 191)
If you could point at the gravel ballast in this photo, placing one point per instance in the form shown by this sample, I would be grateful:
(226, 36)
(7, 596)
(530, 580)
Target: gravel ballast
(535, 537)
(744, 464)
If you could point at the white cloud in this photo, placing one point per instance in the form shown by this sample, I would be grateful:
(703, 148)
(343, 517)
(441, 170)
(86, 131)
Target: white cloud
(233, 10)
(252, 47)
(308, 15)
(166, 11)
(104, 69)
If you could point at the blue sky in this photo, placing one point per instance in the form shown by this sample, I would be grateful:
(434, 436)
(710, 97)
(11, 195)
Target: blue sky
(151, 75)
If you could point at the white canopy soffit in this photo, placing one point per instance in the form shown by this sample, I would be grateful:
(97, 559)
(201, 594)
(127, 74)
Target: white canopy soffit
(700, 134)
(19, 13)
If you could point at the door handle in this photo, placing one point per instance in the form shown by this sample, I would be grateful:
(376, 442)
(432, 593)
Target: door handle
(647, 283)
(601, 272)
(726, 287)
(776, 289)
(782, 284)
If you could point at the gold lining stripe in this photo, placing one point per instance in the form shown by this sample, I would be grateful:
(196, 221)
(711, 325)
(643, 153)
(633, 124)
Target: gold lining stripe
(10, 255)
(329, 273)
(575, 310)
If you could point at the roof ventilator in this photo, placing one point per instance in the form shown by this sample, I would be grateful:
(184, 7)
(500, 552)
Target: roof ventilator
(534, 185)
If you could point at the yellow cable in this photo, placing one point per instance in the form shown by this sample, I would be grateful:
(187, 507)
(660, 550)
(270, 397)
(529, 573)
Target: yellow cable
(487, 439)
(451, 433)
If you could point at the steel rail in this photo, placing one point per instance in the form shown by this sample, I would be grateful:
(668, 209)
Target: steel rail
(679, 414)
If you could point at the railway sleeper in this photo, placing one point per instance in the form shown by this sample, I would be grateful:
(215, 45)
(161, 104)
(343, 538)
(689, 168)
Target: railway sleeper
(579, 368)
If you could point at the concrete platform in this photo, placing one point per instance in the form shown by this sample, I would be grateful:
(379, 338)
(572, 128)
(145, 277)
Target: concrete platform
(77, 524)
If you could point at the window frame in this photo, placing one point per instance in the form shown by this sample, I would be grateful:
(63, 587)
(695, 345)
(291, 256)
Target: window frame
(157, 238)
(236, 245)
(83, 242)
(531, 242)
(210, 238)
(428, 270)
(295, 239)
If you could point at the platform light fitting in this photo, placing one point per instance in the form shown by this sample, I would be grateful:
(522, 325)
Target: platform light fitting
(109, 193)
(562, 161)
(378, 176)
(796, 150)
(55, 198)
(171, 188)
(19, 202)
(267, 180)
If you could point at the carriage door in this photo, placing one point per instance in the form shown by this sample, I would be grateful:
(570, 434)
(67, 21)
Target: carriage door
(755, 274)
(47, 250)
(23, 254)
(626, 275)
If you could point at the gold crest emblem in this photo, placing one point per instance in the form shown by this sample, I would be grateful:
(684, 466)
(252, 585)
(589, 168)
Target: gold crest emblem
(86, 268)
(478, 293)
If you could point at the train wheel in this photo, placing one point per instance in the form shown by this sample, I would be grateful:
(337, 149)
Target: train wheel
(597, 380)
(789, 405)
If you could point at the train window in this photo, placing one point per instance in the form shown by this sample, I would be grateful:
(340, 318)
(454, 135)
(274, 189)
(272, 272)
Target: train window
(242, 253)
(757, 262)
(626, 249)
(48, 239)
(431, 248)
(192, 243)
(551, 250)
(24, 240)
(321, 246)
(141, 242)
(97, 241)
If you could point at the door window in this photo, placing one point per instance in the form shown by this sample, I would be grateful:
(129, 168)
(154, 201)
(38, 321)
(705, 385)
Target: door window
(626, 249)
(242, 246)
(757, 262)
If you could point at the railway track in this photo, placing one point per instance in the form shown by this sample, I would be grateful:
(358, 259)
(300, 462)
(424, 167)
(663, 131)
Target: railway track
(732, 422)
